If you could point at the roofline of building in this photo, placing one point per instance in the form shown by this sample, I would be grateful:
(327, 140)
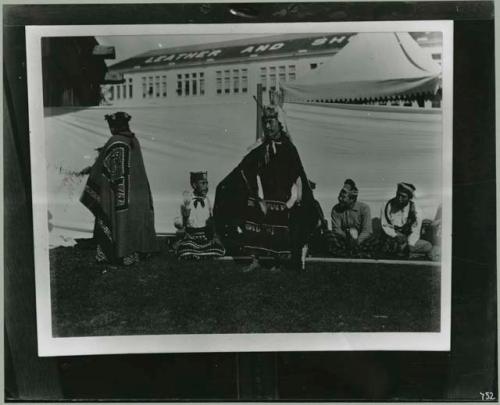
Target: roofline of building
(225, 44)
(232, 61)
(236, 42)
(222, 45)
(254, 40)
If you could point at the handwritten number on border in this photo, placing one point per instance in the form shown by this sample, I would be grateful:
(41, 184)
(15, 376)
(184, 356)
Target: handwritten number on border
(487, 396)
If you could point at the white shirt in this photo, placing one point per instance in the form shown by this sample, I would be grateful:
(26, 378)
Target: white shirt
(399, 218)
(199, 214)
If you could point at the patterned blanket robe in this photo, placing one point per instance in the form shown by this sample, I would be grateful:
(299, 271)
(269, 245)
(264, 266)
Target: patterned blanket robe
(118, 194)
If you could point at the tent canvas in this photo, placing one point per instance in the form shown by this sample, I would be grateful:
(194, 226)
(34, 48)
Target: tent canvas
(371, 65)
(375, 146)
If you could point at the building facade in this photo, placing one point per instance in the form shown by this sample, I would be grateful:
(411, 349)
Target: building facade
(224, 71)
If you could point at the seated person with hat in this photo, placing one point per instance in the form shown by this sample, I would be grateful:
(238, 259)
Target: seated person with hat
(351, 224)
(401, 223)
(196, 227)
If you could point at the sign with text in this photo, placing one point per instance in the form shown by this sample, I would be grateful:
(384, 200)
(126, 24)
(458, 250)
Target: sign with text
(264, 49)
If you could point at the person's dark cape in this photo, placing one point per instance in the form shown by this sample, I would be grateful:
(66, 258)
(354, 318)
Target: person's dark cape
(231, 198)
(117, 192)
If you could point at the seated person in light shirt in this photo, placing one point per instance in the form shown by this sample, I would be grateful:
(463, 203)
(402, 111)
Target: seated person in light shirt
(401, 223)
(197, 229)
(351, 224)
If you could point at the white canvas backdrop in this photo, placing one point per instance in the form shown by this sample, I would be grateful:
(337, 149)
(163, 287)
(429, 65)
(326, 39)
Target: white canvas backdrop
(375, 146)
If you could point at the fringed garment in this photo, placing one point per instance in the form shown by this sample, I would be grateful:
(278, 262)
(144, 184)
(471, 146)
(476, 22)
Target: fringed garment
(265, 180)
(197, 244)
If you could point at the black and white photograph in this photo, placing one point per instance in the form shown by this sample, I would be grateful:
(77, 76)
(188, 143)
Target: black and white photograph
(251, 187)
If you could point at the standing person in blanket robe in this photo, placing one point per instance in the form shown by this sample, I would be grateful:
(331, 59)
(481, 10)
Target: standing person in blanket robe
(118, 194)
(198, 237)
(265, 206)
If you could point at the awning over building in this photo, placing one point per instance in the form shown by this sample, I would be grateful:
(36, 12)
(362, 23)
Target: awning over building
(113, 78)
(371, 65)
(105, 52)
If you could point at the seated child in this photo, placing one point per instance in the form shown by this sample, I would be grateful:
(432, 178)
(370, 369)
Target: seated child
(196, 228)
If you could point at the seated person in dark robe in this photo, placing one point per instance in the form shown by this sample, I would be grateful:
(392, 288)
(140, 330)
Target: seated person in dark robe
(118, 194)
(198, 239)
(351, 224)
(265, 205)
(401, 225)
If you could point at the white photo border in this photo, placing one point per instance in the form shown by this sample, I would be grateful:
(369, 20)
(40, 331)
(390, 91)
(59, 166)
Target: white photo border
(377, 341)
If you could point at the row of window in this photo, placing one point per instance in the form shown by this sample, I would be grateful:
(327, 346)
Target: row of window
(154, 86)
(231, 81)
(188, 84)
(270, 76)
(191, 84)
(120, 90)
(227, 81)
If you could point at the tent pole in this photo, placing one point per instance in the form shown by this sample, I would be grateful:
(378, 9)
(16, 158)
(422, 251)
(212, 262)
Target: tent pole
(258, 127)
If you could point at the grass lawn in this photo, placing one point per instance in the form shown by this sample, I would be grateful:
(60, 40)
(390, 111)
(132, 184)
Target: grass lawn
(165, 296)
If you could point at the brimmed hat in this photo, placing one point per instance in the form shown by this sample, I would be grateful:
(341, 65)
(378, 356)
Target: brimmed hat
(197, 176)
(406, 188)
